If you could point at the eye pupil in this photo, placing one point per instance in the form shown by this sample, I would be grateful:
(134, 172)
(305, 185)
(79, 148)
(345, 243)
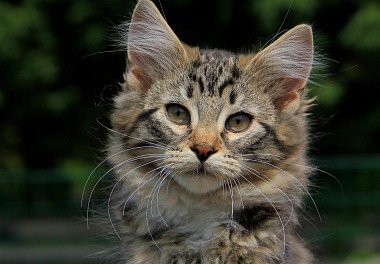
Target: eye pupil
(238, 122)
(178, 114)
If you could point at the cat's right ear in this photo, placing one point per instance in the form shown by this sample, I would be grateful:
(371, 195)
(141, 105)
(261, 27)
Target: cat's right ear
(153, 48)
(283, 67)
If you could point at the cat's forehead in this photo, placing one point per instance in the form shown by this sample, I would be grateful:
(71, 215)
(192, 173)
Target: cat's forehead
(213, 71)
(216, 63)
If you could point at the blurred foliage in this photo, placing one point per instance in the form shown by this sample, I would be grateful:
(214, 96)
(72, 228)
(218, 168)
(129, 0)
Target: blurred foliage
(271, 12)
(59, 72)
(59, 68)
(363, 30)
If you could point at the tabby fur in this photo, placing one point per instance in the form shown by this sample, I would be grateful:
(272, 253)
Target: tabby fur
(241, 205)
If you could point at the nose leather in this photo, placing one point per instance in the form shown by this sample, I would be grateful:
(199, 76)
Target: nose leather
(203, 151)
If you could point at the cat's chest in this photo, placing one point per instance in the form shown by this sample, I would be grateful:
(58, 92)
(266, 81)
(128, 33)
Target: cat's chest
(175, 212)
(181, 209)
(183, 226)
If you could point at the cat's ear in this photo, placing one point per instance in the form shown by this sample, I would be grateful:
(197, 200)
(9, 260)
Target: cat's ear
(153, 48)
(285, 65)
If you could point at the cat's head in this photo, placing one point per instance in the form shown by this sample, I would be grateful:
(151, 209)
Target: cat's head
(209, 116)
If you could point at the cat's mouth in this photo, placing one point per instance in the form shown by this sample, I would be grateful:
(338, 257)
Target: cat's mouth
(198, 181)
(201, 168)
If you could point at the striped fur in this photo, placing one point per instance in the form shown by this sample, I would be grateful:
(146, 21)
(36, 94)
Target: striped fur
(240, 205)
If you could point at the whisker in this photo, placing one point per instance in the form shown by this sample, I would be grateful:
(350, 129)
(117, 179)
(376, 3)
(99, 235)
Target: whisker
(155, 188)
(278, 214)
(139, 139)
(300, 183)
(147, 221)
(110, 196)
(256, 173)
(139, 187)
(107, 172)
(264, 154)
(237, 187)
(167, 186)
(141, 180)
(316, 169)
(302, 166)
(103, 52)
(157, 198)
(151, 194)
(113, 147)
(215, 237)
(108, 158)
(232, 201)
(224, 188)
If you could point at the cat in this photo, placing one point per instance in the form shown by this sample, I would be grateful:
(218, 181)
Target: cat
(209, 148)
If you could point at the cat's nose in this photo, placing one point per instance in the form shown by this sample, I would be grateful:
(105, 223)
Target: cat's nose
(203, 151)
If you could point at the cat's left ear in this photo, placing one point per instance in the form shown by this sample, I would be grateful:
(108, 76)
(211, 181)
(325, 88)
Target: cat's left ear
(284, 67)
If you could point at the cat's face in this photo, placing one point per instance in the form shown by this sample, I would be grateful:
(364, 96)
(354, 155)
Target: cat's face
(209, 115)
(206, 115)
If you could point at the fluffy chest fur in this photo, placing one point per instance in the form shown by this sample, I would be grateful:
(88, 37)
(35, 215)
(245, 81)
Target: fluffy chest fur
(208, 148)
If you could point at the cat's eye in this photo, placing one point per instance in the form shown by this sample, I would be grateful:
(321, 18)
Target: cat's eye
(238, 122)
(178, 114)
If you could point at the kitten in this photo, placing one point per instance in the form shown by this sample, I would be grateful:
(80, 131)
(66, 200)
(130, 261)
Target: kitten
(209, 148)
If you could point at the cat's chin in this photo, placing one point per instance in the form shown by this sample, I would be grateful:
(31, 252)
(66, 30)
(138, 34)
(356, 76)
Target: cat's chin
(198, 184)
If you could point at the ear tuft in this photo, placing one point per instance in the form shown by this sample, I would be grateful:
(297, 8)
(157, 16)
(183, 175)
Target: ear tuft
(285, 66)
(153, 48)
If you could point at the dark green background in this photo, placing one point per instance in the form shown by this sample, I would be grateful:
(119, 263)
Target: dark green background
(59, 71)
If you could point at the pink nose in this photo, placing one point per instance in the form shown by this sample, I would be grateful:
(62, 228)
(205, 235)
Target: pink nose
(203, 151)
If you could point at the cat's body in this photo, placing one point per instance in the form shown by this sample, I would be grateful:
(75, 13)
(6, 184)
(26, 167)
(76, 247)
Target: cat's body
(208, 148)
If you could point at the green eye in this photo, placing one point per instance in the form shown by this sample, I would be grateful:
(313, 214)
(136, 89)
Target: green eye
(238, 122)
(178, 114)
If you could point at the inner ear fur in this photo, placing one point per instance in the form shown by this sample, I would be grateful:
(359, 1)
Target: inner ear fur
(154, 51)
(284, 66)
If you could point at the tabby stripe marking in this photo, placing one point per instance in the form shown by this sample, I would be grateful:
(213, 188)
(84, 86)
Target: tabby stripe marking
(157, 132)
(232, 97)
(189, 91)
(235, 72)
(201, 85)
(141, 117)
(224, 85)
(253, 217)
(280, 145)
